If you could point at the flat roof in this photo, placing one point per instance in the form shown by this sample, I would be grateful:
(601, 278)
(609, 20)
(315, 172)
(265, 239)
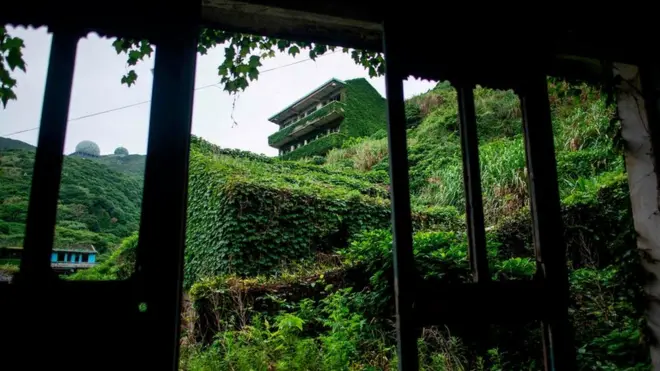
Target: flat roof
(275, 117)
(77, 248)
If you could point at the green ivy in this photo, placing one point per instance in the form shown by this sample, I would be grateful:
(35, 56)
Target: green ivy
(318, 147)
(327, 109)
(96, 204)
(366, 109)
(265, 214)
(365, 113)
(120, 265)
(11, 58)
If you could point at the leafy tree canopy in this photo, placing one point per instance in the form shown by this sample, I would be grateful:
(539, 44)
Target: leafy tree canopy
(11, 58)
(244, 55)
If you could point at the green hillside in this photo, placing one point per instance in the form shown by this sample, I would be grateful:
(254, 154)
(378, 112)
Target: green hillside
(128, 164)
(288, 263)
(97, 205)
(8, 143)
(583, 140)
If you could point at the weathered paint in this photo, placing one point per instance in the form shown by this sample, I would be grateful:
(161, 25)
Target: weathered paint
(92, 258)
(80, 258)
(66, 257)
(643, 180)
(53, 257)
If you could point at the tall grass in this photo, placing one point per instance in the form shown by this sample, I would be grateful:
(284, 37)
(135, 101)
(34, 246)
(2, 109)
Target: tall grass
(362, 155)
(503, 179)
(582, 124)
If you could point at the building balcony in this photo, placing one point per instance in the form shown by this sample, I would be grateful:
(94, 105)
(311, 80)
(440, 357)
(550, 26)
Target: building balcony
(321, 117)
(69, 265)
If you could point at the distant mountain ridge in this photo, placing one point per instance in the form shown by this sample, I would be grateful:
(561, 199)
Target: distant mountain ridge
(8, 143)
(97, 205)
(127, 164)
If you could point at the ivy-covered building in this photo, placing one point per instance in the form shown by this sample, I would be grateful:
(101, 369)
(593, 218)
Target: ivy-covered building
(324, 118)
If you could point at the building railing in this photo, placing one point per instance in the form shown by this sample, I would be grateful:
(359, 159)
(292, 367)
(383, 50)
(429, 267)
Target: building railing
(72, 265)
(280, 136)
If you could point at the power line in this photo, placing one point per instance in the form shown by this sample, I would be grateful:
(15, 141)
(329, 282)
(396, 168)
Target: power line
(149, 101)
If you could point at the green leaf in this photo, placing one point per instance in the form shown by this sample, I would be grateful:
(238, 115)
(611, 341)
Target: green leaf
(255, 61)
(6, 95)
(243, 68)
(282, 44)
(130, 78)
(294, 50)
(119, 45)
(230, 53)
(253, 74)
(145, 48)
(12, 43)
(15, 59)
(133, 57)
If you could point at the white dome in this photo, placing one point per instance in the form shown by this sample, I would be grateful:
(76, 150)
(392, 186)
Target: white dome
(88, 148)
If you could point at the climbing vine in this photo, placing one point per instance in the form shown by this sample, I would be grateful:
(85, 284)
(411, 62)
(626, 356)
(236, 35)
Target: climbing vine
(364, 114)
(244, 55)
(283, 133)
(11, 58)
(266, 214)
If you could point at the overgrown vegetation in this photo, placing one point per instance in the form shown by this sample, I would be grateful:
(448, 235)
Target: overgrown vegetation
(288, 263)
(364, 112)
(96, 206)
(336, 311)
(266, 213)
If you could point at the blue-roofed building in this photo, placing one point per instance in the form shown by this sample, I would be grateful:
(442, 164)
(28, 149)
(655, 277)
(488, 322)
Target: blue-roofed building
(73, 258)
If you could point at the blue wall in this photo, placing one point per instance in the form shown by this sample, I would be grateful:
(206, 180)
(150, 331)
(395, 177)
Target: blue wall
(73, 258)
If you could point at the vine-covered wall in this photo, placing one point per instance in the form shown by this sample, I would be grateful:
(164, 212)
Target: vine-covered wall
(317, 147)
(250, 217)
(364, 114)
(366, 109)
(327, 109)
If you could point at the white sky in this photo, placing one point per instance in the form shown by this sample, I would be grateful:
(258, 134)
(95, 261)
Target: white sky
(96, 88)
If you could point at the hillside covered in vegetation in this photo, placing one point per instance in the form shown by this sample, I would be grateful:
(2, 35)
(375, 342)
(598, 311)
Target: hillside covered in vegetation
(288, 263)
(363, 112)
(97, 205)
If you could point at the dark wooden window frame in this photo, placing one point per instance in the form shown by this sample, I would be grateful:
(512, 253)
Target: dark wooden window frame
(144, 311)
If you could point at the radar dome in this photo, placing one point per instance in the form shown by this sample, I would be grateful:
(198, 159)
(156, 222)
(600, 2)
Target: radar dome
(121, 151)
(88, 148)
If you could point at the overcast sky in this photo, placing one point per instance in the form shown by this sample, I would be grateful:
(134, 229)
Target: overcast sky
(96, 88)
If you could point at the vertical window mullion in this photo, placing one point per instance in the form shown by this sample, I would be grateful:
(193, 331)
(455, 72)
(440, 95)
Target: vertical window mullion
(44, 192)
(404, 265)
(550, 249)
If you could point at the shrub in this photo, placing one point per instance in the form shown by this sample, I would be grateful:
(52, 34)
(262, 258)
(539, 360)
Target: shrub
(120, 265)
(413, 115)
(318, 160)
(318, 147)
(268, 214)
(369, 154)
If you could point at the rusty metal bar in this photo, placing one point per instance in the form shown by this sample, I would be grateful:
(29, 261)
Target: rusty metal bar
(558, 349)
(162, 229)
(474, 209)
(44, 193)
(404, 262)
